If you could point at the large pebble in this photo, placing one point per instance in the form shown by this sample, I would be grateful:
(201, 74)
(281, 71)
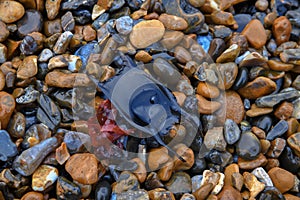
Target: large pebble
(126, 181)
(16, 126)
(33, 196)
(66, 189)
(7, 106)
(231, 131)
(28, 68)
(44, 177)
(146, 33)
(254, 186)
(63, 80)
(83, 168)
(11, 11)
(259, 87)
(63, 42)
(228, 192)
(124, 25)
(282, 179)
(32, 21)
(234, 106)
(294, 143)
(261, 160)
(282, 29)
(4, 32)
(248, 147)
(278, 130)
(173, 22)
(30, 159)
(52, 8)
(7, 148)
(179, 183)
(214, 139)
(255, 34)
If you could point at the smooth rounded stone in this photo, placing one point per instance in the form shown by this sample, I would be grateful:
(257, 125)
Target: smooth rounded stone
(52, 27)
(248, 147)
(171, 39)
(16, 126)
(30, 159)
(293, 126)
(262, 176)
(7, 147)
(85, 189)
(187, 196)
(146, 33)
(203, 192)
(89, 34)
(103, 190)
(259, 87)
(126, 181)
(173, 22)
(284, 111)
(293, 142)
(63, 80)
(166, 71)
(63, 42)
(278, 130)
(187, 154)
(254, 186)
(66, 189)
(62, 153)
(140, 172)
(282, 179)
(207, 90)
(216, 47)
(222, 32)
(11, 11)
(255, 34)
(229, 55)
(288, 197)
(256, 111)
(222, 18)
(231, 131)
(261, 5)
(32, 21)
(196, 182)
(281, 29)
(52, 8)
(68, 22)
(296, 105)
(228, 192)
(157, 157)
(44, 177)
(179, 184)
(143, 56)
(234, 106)
(214, 139)
(4, 32)
(3, 53)
(28, 45)
(279, 66)
(28, 68)
(152, 181)
(205, 106)
(291, 56)
(273, 99)
(138, 195)
(45, 55)
(182, 55)
(160, 193)
(261, 160)
(83, 168)
(7, 106)
(124, 25)
(75, 141)
(33, 196)
(107, 53)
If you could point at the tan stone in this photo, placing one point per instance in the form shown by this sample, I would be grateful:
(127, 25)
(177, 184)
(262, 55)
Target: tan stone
(83, 168)
(52, 8)
(140, 172)
(252, 164)
(4, 33)
(173, 22)
(44, 177)
(207, 90)
(187, 154)
(11, 11)
(255, 34)
(282, 29)
(146, 33)
(89, 34)
(62, 154)
(282, 179)
(229, 193)
(63, 80)
(294, 143)
(33, 196)
(28, 68)
(171, 39)
(205, 106)
(229, 170)
(257, 111)
(143, 56)
(291, 197)
(7, 106)
(279, 66)
(157, 157)
(182, 55)
(254, 186)
(284, 110)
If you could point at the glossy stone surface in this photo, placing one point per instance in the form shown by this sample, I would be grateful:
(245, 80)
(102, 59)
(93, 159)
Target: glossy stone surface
(248, 147)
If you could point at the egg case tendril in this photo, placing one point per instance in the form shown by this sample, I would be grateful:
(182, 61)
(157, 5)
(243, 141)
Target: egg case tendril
(146, 104)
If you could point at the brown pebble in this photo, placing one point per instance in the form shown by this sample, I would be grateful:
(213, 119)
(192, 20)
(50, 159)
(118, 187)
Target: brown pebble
(229, 170)
(237, 181)
(52, 8)
(160, 193)
(293, 126)
(146, 33)
(294, 143)
(270, 18)
(229, 193)
(255, 34)
(276, 148)
(222, 18)
(254, 186)
(89, 34)
(157, 157)
(281, 29)
(261, 134)
(261, 5)
(279, 66)
(282, 179)
(4, 33)
(28, 68)
(83, 168)
(182, 55)
(143, 56)
(265, 145)
(62, 153)
(11, 11)
(252, 164)
(203, 191)
(63, 80)
(205, 106)
(207, 90)
(173, 22)
(140, 172)
(33, 196)
(290, 197)
(234, 106)
(257, 111)
(171, 39)
(284, 110)
(259, 87)
(272, 162)
(165, 173)
(151, 16)
(187, 154)
(3, 53)
(7, 106)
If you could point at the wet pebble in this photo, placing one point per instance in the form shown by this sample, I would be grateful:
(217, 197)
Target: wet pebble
(282, 179)
(63, 80)
(16, 126)
(255, 34)
(234, 106)
(231, 131)
(179, 184)
(66, 189)
(11, 11)
(278, 130)
(248, 146)
(8, 148)
(293, 142)
(254, 186)
(281, 30)
(172, 22)
(32, 21)
(44, 177)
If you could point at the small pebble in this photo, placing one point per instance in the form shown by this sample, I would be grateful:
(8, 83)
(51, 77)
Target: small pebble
(44, 177)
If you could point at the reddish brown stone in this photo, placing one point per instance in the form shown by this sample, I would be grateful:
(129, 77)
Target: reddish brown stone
(234, 106)
(62, 154)
(284, 110)
(33, 196)
(252, 164)
(173, 22)
(255, 34)
(11, 11)
(143, 56)
(4, 33)
(205, 106)
(207, 90)
(281, 30)
(89, 34)
(282, 179)
(228, 192)
(7, 106)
